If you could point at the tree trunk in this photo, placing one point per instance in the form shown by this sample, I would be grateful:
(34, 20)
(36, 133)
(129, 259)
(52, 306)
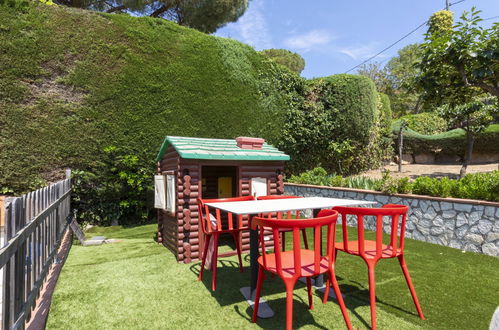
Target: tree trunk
(401, 142)
(470, 139)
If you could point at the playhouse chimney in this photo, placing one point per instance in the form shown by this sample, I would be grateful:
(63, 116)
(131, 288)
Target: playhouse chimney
(244, 142)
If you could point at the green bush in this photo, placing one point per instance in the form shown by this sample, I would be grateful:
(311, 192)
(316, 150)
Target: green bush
(481, 186)
(385, 112)
(336, 126)
(452, 142)
(427, 123)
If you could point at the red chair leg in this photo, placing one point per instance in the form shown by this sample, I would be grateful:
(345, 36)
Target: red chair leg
(339, 298)
(238, 249)
(305, 241)
(257, 293)
(409, 284)
(206, 244)
(290, 284)
(372, 295)
(309, 290)
(214, 262)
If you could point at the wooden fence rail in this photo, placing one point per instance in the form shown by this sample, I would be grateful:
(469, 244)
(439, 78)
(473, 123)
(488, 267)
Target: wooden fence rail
(34, 226)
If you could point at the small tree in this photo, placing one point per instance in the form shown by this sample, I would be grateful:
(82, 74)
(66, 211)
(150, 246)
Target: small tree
(473, 117)
(459, 62)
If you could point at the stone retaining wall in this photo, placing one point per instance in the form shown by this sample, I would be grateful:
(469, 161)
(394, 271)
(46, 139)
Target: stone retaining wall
(462, 224)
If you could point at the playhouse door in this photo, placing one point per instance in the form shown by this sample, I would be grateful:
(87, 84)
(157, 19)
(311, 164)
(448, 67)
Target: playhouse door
(225, 187)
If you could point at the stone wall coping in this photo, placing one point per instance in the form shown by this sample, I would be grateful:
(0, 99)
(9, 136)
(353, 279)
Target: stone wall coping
(440, 199)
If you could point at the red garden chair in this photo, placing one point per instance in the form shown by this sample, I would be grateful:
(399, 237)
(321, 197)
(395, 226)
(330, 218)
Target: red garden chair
(285, 215)
(291, 265)
(372, 251)
(212, 226)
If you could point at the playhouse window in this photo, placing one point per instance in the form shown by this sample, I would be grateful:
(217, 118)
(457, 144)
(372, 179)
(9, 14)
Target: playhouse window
(170, 193)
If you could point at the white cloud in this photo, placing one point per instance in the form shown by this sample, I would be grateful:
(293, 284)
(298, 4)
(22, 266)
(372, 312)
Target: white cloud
(253, 28)
(360, 52)
(309, 40)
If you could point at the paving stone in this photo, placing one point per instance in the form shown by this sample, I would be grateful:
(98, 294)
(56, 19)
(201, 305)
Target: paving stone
(471, 247)
(438, 221)
(415, 203)
(491, 237)
(449, 226)
(455, 244)
(489, 211)
(461, 231)
(444, 206)
(474, 238)
(484, 226)
(430, 213)
(449, 214)
(436, 230)
(474, 217)
(461, 219)
(462, 207)
(418, 236)
(490, 249)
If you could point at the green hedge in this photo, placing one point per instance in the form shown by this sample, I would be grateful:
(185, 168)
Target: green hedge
(426, 123)
(98, 92)
(452, 142)
(337, 126)
(481, 186)
(74, 82)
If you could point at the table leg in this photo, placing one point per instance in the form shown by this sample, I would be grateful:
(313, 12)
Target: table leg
(253, 258)
(319, 280)
(264, 310)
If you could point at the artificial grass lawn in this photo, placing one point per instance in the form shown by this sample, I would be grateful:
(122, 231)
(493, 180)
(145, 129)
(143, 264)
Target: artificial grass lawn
(137, 284)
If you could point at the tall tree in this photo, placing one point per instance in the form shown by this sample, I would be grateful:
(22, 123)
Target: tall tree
(204, 15)
(459, 62)
(378, 75)
(401, 73)
(292, 61)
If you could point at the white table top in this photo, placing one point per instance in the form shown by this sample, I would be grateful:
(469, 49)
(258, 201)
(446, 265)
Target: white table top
(287, 204)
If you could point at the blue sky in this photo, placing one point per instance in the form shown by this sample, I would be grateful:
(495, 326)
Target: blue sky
(334, 36)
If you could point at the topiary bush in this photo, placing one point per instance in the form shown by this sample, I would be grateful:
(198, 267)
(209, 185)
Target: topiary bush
(337, 126)
(449, 143)
(427, 123)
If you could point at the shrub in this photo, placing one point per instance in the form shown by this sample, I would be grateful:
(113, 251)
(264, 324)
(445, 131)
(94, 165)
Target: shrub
(386, 142)
(481, 186)
(427, 123)
(337, 126)
(449, 143)
(317, 176)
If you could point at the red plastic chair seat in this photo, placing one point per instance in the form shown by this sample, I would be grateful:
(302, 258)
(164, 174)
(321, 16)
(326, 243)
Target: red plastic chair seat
(307, 263)
(370, 249)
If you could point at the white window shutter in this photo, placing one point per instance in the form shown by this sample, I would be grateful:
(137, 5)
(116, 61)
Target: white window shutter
(170, 193)
(259, 186)
(159, 192)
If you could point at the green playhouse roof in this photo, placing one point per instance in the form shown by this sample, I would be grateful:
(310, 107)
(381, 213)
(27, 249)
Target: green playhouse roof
(218, 149)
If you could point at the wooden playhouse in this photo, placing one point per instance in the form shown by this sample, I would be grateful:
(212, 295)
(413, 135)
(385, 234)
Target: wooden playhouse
(191, 168)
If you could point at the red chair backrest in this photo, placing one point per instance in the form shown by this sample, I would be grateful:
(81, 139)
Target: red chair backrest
(398, 214)
(279, 214)
(274, 225)
(204, 214)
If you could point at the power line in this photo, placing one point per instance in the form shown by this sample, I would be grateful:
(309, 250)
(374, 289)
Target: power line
(390, 46)
(486, 19)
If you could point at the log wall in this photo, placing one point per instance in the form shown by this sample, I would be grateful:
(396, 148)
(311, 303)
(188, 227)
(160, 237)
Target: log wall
(181, 232)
